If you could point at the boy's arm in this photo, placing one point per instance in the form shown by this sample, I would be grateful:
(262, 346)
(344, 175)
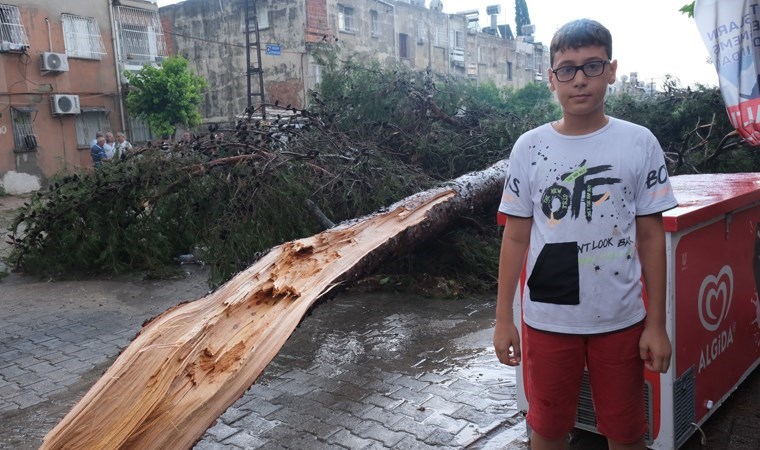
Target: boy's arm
(515, 241)
(654, 345)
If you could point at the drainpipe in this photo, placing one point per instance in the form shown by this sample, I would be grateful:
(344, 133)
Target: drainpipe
(395, 37)
(115, 44)
(50, 40)
(448, 40)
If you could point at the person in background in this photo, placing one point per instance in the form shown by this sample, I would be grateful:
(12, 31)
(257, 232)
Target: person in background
(110, 145)
(98, 134)
(122, 146)
(98, 152)
(584, 197)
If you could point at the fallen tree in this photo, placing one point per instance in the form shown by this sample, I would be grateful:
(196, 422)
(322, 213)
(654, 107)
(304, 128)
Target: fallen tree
(193, 361)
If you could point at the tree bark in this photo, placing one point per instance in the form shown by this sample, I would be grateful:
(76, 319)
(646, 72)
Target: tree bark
(189, 364)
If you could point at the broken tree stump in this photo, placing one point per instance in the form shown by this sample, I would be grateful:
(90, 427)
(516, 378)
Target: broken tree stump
(189, 364)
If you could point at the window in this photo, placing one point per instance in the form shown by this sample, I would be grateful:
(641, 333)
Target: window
(529, 61)
(82, 37)
(140, 131)
(403, 45)
(486, 55)
(422, 32)
(440, 37)
(458, 39)
(374, 25)
(140, 35)
(509, 70)
(346, 19)
(12, 34)
(315, 75)
(23, 131)
(89, 122)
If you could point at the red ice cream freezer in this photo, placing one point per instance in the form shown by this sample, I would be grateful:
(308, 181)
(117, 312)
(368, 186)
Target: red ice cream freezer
(712, 307)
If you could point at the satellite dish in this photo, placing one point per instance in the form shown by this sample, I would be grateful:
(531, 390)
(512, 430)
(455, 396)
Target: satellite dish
(624, 78)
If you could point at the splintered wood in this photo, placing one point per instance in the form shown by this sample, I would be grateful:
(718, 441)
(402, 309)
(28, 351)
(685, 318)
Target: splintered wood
(188, 365)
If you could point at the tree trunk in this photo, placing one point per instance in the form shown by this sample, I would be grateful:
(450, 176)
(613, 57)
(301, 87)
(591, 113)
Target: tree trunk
(189, 364)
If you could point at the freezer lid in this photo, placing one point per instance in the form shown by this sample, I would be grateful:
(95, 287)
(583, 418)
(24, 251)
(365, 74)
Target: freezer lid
(704, 197)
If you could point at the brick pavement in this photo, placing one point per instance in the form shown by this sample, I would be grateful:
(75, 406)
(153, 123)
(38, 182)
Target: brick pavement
(368, 371)
(361, 372)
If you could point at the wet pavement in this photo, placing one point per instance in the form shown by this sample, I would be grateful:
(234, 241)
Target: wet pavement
(362, 371)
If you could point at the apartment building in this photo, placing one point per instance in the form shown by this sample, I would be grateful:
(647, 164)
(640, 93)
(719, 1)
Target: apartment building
(61, 80)
(212, 36)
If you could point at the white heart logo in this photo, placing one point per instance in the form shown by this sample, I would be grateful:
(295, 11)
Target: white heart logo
(715, 296)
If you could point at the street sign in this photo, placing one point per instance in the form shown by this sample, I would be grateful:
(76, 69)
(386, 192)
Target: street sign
(274, 49)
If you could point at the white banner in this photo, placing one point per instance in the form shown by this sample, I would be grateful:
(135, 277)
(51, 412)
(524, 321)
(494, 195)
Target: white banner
(731, 31)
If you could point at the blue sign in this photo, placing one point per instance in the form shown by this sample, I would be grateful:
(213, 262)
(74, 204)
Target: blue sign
(274, 49)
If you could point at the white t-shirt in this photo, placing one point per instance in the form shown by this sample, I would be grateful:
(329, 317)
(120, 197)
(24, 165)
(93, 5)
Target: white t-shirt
(584, 193)
(109, 148)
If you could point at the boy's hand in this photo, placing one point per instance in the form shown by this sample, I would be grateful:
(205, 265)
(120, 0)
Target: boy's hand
(654, 348)
(506, 342)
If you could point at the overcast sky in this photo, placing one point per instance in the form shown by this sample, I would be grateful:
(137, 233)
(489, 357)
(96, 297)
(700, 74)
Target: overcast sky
(650, 37)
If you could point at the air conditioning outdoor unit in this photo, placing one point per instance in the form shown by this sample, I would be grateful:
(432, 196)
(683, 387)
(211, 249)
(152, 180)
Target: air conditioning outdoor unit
(65, 104)
(54, 62)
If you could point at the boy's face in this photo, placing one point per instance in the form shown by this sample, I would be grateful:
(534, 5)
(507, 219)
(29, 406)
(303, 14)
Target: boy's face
(582, 96)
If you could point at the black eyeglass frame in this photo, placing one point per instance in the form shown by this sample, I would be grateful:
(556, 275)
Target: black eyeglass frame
(581, 68)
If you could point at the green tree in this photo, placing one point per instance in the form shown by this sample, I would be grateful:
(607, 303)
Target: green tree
(167, 96)
(521, 15)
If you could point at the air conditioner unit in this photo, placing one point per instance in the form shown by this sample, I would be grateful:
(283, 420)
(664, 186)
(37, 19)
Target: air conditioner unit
(54, 62)
(65, 104)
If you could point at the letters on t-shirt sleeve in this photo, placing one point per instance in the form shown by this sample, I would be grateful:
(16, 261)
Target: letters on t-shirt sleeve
(654, 193)
(516, 196)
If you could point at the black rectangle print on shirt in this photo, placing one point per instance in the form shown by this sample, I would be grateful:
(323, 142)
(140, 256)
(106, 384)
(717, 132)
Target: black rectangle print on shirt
(554, 278)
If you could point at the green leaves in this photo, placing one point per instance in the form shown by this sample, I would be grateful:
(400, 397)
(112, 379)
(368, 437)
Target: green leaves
(167, 96)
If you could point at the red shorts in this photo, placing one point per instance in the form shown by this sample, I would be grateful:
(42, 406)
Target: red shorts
(554, 372)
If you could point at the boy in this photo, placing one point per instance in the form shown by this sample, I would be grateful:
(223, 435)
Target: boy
(585, 195)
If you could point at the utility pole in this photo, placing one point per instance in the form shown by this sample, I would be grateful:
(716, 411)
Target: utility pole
(253, 43)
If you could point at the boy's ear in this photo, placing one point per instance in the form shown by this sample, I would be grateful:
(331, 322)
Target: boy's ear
(613, 72)
(552, 88)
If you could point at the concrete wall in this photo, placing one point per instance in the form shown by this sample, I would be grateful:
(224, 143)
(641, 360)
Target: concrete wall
(211, 36)
(23, 85)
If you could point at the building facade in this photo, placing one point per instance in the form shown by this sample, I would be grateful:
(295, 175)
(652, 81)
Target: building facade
(61, 80)
(211, 35)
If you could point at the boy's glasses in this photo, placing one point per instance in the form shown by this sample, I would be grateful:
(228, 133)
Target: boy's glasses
(590, 69)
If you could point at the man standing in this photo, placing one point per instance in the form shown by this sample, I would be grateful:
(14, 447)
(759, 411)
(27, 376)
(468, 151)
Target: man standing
(110, 145)
(98, 152)
(122, 146)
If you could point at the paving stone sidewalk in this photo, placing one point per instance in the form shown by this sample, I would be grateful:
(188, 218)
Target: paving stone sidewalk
(362, 371)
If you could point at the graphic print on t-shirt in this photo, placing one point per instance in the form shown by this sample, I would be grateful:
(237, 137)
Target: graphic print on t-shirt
(572, 189)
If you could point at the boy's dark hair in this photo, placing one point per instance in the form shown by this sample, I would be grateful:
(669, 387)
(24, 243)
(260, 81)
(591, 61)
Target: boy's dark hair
(580, 33)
